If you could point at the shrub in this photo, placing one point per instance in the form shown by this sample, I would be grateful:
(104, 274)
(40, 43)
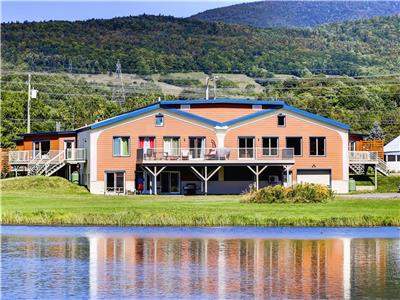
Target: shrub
(301, 193)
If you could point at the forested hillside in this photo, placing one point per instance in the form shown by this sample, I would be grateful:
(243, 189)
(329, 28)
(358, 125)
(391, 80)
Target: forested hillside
(289, 14)
(163, 45)
(150, 44)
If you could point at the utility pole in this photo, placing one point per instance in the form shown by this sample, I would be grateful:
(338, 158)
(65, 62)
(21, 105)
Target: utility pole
(28, 129)
(215, 78)
(119, 93)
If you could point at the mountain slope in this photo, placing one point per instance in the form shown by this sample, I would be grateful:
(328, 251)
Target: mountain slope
(150, 44)
(298, 13)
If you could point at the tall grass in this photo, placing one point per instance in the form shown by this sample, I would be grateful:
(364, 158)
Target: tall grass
(132, 218)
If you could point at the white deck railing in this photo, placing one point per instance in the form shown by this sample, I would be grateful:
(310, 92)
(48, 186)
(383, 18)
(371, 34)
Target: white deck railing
(371, 156)
(197, 154)
(27, 156)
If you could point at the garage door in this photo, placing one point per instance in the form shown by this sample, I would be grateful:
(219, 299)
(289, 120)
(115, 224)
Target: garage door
(314, 176)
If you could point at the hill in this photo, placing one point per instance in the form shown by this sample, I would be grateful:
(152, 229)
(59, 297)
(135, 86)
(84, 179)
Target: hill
(155, 44)
(290, 14)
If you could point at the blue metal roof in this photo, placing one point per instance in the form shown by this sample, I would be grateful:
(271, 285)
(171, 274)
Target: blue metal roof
(166, 103)
(221, 101)
(70, 132)
(316, 117)
(125, 116)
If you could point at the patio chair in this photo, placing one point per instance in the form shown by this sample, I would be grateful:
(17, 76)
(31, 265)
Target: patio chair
(185, 154)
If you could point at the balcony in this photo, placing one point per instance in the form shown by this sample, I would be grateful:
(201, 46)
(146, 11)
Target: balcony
(28, 157)
(363, 157)
(192, 156)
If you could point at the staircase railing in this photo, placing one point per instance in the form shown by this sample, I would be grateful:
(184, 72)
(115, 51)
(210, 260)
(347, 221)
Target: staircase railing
(383, 166)
(34, 163)
(55, 161)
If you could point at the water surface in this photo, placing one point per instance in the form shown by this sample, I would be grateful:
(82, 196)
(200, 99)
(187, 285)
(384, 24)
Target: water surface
(199, 263)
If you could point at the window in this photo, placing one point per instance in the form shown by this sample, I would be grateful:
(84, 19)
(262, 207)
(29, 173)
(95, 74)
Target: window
(398, 157)
(281, 120)
(317, 146)
(159, 120)
(296, 144)
(270, 145)
(172, 146)
(246, 147)
(185, 106)
(391, 158)
(121, 146)
(115, 182)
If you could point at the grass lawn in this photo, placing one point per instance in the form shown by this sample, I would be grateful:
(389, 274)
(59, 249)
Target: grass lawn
(54, 201)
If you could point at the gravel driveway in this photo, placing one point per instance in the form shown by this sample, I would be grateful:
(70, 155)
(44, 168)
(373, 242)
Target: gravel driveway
(373, 196)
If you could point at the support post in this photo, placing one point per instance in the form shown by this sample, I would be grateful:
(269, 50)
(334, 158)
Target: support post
(155, 173)
(155, 180)
(376, 178)
(257, 176)
(206, 176)
(205, 181)
(257, 172)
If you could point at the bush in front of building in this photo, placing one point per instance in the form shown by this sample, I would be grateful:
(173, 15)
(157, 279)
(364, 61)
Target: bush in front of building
(300, 193)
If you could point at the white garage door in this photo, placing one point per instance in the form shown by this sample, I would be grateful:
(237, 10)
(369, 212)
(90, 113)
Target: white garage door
(314, 176)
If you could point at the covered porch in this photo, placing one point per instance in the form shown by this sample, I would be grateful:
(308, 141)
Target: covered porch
(215, 177)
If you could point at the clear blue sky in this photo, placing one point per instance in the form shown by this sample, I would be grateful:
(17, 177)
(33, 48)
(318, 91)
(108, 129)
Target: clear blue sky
(81, 10)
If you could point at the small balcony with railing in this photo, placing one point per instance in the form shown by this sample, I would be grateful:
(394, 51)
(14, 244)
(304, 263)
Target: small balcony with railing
(371, 157)
(215, 155)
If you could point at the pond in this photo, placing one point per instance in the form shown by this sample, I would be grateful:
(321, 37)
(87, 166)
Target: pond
(41, 262)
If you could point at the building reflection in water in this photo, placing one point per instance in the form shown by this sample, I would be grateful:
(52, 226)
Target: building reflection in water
(210, 268)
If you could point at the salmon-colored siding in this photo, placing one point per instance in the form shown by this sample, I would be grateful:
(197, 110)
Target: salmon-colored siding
(222, 112)
(144, 127)
(296, 127)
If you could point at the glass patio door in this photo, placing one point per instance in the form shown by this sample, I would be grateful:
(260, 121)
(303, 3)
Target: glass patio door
(172, 146)
(40, 148)
(246, 147)
(197, 147)
(170, 182)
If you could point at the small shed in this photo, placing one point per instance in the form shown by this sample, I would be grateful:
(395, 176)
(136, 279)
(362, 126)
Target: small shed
(392, 155)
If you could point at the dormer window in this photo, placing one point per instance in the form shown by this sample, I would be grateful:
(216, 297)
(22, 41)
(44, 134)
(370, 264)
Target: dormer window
(159, 120)
(281, 120)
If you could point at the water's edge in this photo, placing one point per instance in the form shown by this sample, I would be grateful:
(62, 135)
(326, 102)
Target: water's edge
(230, 232)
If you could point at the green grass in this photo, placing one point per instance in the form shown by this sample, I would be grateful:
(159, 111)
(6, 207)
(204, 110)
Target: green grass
(54, 201)
(386, 184)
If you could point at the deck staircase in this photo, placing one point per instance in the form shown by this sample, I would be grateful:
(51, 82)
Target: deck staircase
(46, 163)
(360, 160)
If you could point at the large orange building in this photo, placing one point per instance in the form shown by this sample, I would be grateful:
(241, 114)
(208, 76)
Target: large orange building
(211, 146)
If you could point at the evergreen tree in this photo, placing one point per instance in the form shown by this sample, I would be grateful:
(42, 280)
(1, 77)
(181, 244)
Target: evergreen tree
(376, 132)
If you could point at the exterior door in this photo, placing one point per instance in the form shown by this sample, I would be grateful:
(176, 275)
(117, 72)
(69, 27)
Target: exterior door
(172, 146)
(68, 148)
(170, 182)
(197, 147)
(40, 148)
(147, 144)
(246, 147)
